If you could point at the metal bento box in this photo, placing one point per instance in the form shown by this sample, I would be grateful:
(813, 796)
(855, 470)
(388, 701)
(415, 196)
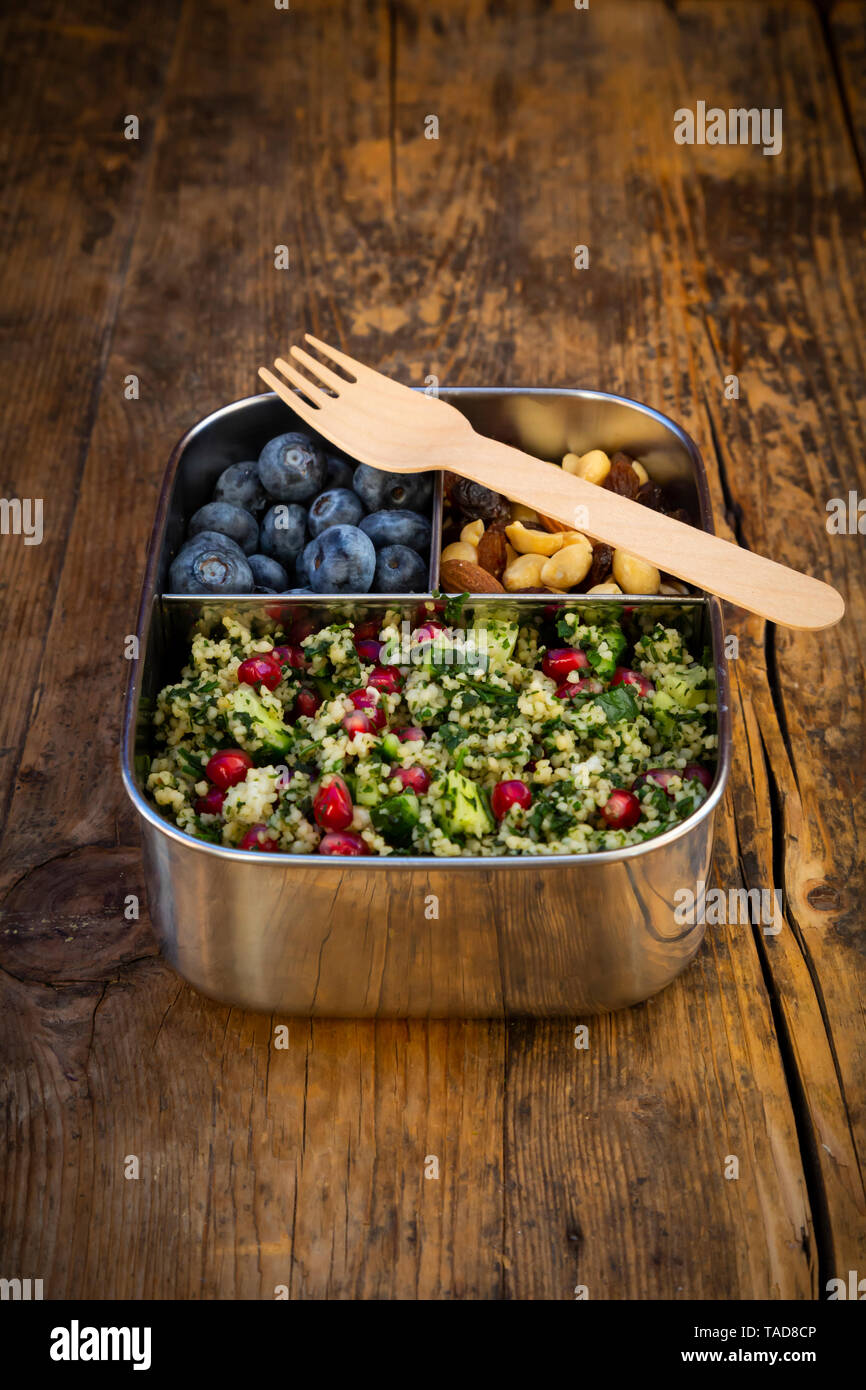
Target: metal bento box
(545, 935)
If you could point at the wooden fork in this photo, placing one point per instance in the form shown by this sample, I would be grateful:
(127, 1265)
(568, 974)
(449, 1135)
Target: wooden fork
(389, 426)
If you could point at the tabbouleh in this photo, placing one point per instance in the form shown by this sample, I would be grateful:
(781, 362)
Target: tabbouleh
(457, 751)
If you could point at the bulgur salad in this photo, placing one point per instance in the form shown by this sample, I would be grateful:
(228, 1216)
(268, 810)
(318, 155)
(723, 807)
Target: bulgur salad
(530, 734)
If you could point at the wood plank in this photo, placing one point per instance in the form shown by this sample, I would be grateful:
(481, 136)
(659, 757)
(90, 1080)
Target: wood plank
(846, 35)
(72, 190)
(804, 429)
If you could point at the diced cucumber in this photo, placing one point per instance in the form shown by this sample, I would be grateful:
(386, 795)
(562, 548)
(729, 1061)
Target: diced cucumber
(260, 721)
(604, 664)
(461, 806)
(663, 717)
(690, 688)
(391, 746)
(396, 818)
(367, 777)
(500, 637)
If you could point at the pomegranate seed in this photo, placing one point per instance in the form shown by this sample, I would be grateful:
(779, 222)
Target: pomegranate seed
(364, 698)
(307, 701)
(429, 631)
(622, 810)
(423, 611)
(260, 670)
(368, 650)
(552, 609)
(357, 723)
(251, 840)
(508, 794)
(343, 842)
(368, 700)
(697, 772)
(385, 678)
(414, 779)
(291, 655)
(227, 768)
(661, 776)
(561, 660)
(623, 676)
(301, 626)
(589, 685)
(411, 735)
(211, 804)
(332, 805)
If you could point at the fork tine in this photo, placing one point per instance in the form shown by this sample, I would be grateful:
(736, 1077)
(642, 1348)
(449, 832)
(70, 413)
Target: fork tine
(317, 368)
(303, 383)
(341, 358)
(301, 407)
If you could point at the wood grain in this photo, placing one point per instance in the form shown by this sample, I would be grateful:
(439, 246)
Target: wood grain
(304, 1167)
(72, 191)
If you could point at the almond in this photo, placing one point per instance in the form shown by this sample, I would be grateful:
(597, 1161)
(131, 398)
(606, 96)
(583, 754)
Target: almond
(493, 552)
(460, 576)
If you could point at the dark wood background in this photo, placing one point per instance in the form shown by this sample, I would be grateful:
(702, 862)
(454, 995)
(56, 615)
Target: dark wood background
(155, 257)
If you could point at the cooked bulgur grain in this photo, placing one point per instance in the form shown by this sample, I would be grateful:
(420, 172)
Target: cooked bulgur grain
(504, 739)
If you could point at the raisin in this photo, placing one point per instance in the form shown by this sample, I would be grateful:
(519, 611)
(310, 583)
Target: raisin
(651, 495)
(475, 501)
(602, 564)
(622, 478)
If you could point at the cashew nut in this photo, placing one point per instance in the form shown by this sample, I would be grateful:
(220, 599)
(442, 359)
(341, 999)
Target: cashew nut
(568, 566)
(521, 513)
(528, 542)
(472, 532)
(592, 467)
(635, 576)
(461, 550)
(525, 573)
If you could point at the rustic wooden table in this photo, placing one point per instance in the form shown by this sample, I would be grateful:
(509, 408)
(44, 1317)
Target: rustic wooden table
(154, 258)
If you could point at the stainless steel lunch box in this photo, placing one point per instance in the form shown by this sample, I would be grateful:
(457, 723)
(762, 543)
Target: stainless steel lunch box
(413, 937)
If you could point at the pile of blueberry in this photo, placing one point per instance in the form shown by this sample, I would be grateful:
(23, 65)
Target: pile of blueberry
(300, 521)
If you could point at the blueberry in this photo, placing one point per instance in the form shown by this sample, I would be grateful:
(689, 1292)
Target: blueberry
(268, 572)
(282, 534)
(398, 528)
(292, 468)
(302, 573)
(341, 561)
(210, 563)
(240, 484)
(337, 507)
(399, 570)
(236, 523)
(263, 589)
(380, 491)
(340, 472)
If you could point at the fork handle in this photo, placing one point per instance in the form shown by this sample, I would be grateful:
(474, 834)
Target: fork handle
(751, 581)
